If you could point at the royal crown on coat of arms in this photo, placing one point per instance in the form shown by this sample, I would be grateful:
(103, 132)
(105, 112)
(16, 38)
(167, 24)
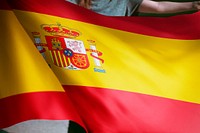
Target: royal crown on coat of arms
(59, 30)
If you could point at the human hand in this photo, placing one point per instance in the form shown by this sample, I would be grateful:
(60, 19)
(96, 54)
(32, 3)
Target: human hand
(196, 5)
(84, 3)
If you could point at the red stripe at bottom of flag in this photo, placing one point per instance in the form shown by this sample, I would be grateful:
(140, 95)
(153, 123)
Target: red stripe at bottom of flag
(40, 105)
(113, 111)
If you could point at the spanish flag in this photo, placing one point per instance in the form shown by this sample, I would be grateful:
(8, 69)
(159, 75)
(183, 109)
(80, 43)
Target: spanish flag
(31, 96)
(62, 62)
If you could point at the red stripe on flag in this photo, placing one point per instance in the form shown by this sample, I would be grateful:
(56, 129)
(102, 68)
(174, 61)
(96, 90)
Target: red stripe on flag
(54, 55)
(58, 58)
(112, 111)
(177, 27)
(4, 5)
(63, 58)
(41, 105)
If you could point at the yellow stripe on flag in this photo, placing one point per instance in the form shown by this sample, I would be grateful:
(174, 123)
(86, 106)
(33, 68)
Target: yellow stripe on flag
(60, 58)
(56, 58)
(22, 65)
(65, 62)
(149, 65)
(51, 56)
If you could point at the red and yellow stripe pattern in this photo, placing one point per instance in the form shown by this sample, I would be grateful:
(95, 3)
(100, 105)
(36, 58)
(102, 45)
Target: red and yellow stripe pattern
(150, 70)
(29, 90)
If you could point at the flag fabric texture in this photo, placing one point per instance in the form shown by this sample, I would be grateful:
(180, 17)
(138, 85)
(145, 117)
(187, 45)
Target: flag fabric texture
(30, 93)
(108, 74)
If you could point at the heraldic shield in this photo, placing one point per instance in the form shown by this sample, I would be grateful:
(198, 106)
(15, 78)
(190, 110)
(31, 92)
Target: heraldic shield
(67, 53)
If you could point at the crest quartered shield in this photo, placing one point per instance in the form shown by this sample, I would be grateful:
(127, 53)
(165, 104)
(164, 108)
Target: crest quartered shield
(65, 50)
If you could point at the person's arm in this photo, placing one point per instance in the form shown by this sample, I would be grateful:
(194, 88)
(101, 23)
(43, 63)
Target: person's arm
(148, 6)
